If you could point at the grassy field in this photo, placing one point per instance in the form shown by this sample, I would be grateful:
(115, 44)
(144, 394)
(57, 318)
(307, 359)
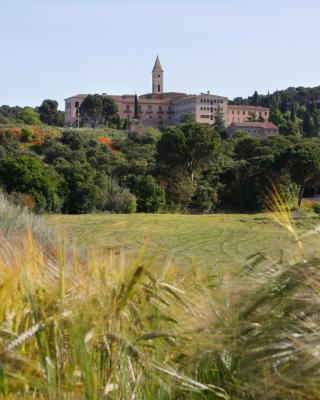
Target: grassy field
(77, 324)
(206, 240)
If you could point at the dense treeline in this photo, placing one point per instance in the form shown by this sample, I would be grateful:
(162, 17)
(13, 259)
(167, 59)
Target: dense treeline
(47, 113)
(189, 167)
(294, 110)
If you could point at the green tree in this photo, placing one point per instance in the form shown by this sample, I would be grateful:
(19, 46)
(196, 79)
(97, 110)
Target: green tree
(136, 107)
(276, 116)
(219, 123)
(49, 113)
(29, 116)
(150, 195)
(293, 113)
(91, 109)
(308, 125)
(29, 175)
(109, 109)
(255, 98)
(188, 117)
(253, 117)
(84, 187)
(303, 161)
(189, 146)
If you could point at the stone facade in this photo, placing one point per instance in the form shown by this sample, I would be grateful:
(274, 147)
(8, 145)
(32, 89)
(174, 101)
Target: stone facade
(254, 129)
(203, 106)
(241, 113)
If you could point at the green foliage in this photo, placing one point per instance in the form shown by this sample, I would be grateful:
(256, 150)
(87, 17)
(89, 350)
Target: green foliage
(26, 135)
(97, 109)
(188, 118)
(84, 187)
(49, 113)
(205, 197)
(29, 116)
(303, 161)
(219, 124)
(119, 199)
(91, 109)
(189, 146)
(253, 117)
(109, 109)
(136, 107)
(29, 175)
(316, 208)
(150, 195)
(179, 189)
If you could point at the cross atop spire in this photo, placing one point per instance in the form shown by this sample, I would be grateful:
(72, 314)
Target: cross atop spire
(157, 65)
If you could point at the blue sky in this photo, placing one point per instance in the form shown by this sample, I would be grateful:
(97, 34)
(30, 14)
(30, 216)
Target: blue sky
(58, 48)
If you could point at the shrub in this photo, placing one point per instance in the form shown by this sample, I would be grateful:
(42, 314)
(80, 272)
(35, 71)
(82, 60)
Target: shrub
(150, 195)
(205, 197)
(26, 135)
(316, 208)
(16, 220)
(119, 199)
(29, 175)
(29, 116)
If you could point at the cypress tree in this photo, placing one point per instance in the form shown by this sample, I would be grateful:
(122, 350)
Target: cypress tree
(136, 107)
(219, 124)
(293, 112)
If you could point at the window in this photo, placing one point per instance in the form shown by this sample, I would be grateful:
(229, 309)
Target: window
(159, 88)
(159, 76)
(244, 113)
(127, 107)
(160, 108)
(149, 108)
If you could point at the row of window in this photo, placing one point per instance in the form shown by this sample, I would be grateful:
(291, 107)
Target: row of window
(247, 112)
(186, 102)
(212, 109)
(185, 110)
(211, 101)
(128, 108)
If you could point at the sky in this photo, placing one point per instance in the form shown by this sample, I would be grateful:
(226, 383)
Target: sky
(59, 48)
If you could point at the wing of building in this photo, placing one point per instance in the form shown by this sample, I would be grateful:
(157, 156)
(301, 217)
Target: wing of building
(254, 129)
(159, 107)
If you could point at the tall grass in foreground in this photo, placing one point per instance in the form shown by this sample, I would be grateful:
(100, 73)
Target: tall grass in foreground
(91, 326)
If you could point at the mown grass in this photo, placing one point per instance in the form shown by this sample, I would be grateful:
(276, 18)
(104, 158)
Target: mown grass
(77, 323)
(210, 241)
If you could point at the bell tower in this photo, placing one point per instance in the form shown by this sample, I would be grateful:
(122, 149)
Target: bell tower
(157, 78)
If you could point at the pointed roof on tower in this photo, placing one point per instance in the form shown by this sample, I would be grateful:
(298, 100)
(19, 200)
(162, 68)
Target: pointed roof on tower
(157, 65)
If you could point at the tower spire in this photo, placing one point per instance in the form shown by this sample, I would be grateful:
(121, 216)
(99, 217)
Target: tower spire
(157, 65)
(157, 77)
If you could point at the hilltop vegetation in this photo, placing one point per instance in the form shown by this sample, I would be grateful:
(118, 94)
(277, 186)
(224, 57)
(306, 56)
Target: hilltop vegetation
(185, 168)
(190, 168)
(294, 110)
